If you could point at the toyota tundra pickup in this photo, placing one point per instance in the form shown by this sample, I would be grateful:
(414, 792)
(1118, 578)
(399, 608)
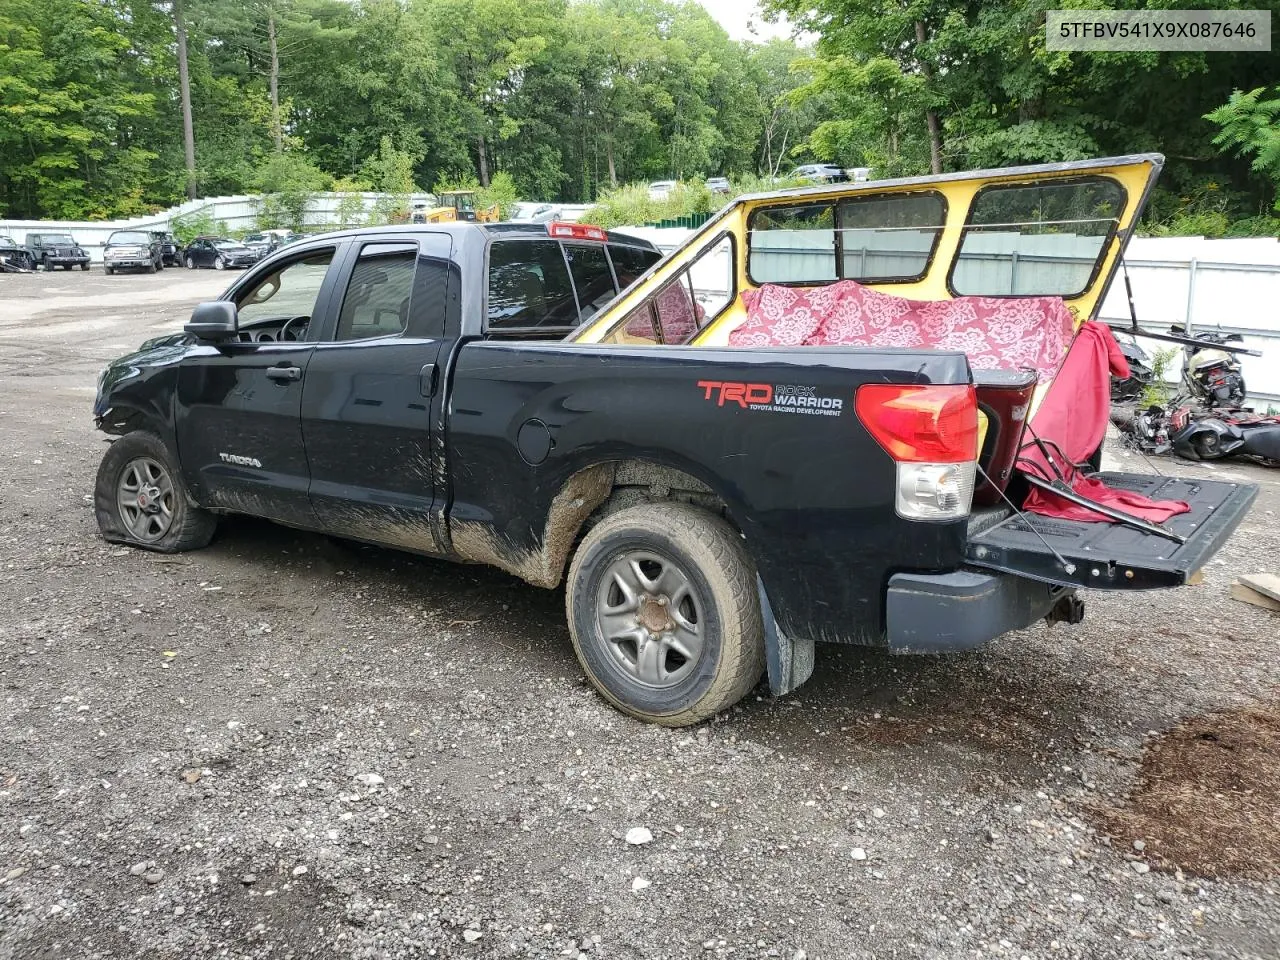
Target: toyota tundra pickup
(567, 405)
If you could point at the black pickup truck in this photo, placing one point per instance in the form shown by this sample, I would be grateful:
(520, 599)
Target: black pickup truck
(412, 387)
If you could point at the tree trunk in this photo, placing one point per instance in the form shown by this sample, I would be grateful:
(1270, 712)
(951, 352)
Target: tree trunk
(930, 115)
(184, 86)
(613, 171)
(484, 161)
(277, 128)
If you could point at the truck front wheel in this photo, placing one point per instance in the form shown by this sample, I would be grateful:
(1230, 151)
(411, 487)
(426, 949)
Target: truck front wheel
(139, 498)
(664, 613)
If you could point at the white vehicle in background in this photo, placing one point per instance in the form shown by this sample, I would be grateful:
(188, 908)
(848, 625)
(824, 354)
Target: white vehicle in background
(266, 241)
(661, 189)
(526, 212)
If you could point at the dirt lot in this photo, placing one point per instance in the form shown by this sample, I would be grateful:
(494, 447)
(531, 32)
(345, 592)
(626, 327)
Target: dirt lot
(284, 747)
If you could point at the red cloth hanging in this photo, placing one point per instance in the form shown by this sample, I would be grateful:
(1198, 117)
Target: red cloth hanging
(1072, 422)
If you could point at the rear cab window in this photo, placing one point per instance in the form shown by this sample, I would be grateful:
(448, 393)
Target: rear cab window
(544, 288)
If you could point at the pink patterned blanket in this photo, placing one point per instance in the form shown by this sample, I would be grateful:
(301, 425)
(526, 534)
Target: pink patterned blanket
(994, 332)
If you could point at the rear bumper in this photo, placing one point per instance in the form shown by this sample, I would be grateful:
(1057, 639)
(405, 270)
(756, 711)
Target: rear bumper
(949, 612)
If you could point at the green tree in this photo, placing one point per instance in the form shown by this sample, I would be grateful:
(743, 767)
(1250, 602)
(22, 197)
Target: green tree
(288, 183)
(1250, 125)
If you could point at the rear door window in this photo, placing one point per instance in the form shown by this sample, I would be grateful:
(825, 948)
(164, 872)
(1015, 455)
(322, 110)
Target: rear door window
(379, 293)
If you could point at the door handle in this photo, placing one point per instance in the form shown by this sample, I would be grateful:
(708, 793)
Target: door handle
(284, 373)
(427, 380)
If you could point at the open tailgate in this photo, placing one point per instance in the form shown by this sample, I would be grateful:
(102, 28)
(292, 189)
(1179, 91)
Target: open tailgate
(1109, 556)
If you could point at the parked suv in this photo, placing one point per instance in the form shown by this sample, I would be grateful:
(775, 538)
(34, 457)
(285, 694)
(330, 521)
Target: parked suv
(49, 250)
(170, 248)
(132, 249)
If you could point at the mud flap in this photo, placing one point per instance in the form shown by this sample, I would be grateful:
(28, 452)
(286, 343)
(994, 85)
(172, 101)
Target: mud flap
(790, 661)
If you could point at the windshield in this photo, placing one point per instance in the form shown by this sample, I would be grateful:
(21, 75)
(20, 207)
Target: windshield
(130, 236)
(56, 238)
(225, 243)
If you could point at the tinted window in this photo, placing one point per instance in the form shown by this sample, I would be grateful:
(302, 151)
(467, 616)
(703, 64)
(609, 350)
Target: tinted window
(376, 303)
(287, 291)
(529, 286)
(122, 236)
(630, 262)
(435, 297)
(1037, 239)
(592, 277)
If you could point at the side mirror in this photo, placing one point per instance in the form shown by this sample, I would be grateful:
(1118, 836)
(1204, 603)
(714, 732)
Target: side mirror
(215, 321)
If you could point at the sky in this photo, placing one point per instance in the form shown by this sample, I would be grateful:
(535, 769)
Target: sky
(740, 16)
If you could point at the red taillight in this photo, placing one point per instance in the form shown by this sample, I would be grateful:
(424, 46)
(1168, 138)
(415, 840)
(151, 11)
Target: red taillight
(921, 424)
(575, 231)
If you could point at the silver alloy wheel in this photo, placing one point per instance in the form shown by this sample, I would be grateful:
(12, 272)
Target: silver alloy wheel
(219, 264)
(191, 263)
(144, 496)
(650, 617)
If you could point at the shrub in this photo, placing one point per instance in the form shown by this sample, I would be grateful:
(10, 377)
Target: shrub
(289, 183)
(1158, 390)
(200, 223)
(631, 205)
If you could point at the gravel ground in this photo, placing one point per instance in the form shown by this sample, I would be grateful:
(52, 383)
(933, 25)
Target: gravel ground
(284, 747)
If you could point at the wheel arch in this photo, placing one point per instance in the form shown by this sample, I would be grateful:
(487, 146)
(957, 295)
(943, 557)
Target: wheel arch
(589, 494)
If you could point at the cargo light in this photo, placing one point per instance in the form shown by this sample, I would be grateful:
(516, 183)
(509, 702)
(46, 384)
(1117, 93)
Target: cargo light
(575, 231)
(931, 431)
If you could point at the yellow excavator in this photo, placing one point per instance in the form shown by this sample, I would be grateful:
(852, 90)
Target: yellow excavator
(455, 205)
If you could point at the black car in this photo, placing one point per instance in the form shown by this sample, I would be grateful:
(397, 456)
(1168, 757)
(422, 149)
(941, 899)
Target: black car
(132, 249)
(13, 258)
(49, 250)
(218, 253)
(170, 248)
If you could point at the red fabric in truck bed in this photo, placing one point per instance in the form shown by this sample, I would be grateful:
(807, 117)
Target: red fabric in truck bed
(1072, 419)
(994, 332)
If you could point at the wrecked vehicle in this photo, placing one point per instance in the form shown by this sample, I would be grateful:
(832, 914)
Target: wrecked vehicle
(14, 257)
(558, 402)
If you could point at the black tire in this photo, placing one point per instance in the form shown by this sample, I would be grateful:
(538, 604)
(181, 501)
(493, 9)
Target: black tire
(219, 263)
(159, 265)
(188, 528)
(191, 263)
(109, 269)
(152, 268)
(719, 577)
(85, 265)
(44, 262)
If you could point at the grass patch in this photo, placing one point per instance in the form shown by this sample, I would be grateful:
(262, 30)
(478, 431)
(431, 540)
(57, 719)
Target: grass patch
(1208, 796)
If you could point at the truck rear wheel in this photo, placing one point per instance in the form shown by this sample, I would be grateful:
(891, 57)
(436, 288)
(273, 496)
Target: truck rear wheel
(664, 613)
(139, 498)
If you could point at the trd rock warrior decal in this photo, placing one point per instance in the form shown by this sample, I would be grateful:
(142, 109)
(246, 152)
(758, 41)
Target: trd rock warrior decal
(774, 398)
